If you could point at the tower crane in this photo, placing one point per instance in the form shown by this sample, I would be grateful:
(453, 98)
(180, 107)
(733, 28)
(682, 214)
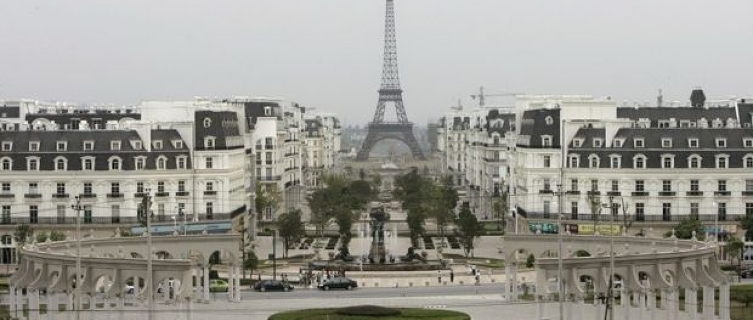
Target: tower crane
(482, 96)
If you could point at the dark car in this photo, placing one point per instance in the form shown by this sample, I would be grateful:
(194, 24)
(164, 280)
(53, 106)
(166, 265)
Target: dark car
(272, 285)
(339, 283)
(747, 273)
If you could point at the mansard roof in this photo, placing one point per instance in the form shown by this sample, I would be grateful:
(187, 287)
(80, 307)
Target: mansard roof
(494, 117)
(90, 117)
(256, 109)
(707, 137)
(745, 112)
(588, 135)
(313, 126)
(692, 114)
(537, 123)
(461, 123)
(222, 126)
(12, 112)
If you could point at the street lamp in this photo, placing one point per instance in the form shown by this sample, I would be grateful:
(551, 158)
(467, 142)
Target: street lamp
(77, 207)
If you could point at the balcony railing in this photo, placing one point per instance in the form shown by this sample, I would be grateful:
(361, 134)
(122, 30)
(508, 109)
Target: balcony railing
(162, 194)
(747, 193)
(115, 195)
(614, 193)
(694, 193)
(32, 195)
(182, 194)
(667, 193)
(572, 192)
(139, 194)
(68, 220)
(546, 191)
(87, 195)
(640, 193)
(722, 193)
(7, 196)
(60, 195)
(210, 193)
(269, 178)
(594, 193)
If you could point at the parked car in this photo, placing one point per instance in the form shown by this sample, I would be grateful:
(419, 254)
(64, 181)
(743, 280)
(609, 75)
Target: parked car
(339, 283)
(747, 273)
(218, 285)
(272, 285)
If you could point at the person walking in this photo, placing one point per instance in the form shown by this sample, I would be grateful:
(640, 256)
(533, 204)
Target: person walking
(439, 276)
(452, 276)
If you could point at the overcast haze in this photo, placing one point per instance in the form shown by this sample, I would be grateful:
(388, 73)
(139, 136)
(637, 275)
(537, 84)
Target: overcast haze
(328, 53)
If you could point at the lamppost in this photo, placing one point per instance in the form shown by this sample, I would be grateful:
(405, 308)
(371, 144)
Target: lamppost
(77, 207)
(612, 213)
(175, 225)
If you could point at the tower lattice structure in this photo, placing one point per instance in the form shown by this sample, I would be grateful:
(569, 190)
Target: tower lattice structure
(390, 91)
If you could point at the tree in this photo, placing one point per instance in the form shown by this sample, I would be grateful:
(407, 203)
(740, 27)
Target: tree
(685, 229)
(361, 192)
(530, 261)
(468, 229)
(41, 237)
(500, 207)
(418, 199)
(337, 198)
(268, 197)
(735, 249)
(291, 229)
(747, 224)
(23, 233)
(251, 262)
(444, 211)
(57, 235)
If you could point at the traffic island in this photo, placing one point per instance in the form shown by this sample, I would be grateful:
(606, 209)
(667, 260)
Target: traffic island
(371, 312)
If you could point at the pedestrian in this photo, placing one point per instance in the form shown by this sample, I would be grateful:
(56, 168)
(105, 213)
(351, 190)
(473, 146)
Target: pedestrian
(452, 276)
(478, 279)
(439, 276)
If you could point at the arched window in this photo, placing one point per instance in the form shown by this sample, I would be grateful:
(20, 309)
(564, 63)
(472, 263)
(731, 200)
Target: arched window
(87, 163)
(32, 163)
(6, 164)
(593, 161)
(61, 164)
(615, 161)
(161, 163)
(694, 161)
(748, 161)
(667, 161)
(639, 162)
(115, 163)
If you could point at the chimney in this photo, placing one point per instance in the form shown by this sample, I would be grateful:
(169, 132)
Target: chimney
(697, 98)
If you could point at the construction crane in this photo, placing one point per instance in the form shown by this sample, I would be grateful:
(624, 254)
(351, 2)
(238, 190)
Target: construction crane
(482, 96)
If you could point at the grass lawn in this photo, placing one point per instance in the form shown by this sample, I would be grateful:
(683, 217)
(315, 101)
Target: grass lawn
(367, 313)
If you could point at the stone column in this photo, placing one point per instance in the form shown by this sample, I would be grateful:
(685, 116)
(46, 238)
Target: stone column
(231, 283)
(514, 282)
(507, 291)
(237, 284)
(708, 303)
(12, 300)
(651, 304)
(540, 310)
(52, 303)
(691, 299)
(569, 310)
(189, 308)
(626, 304)
(20, 299)
(724, 302)
(92, 301)
(33, 294)
(206, 283)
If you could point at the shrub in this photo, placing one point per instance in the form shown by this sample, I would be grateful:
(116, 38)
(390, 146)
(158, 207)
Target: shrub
(368, 310)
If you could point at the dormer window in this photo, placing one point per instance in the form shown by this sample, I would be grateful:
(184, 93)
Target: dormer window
(667, 161)
(593, 161)
(7, 145)
(140, 163)
(136, 144)
(88, 145)
(721, 142)
(207, 122)
(115, 145)
(115, 163)
(639, 162)
(722, 161)
(6, 164)
(618, 143)
(694, 161)
(577, 143)
(61, 164)
(615, 161)
(693, 143)
(181, 162)
(549, 120)
(32, 163)
(546, 141)
(267, 111)
(209, 142)
(598, 143)
(34, 146)
(161, 163)
(666, 142)
(574, 161)
(62, 146)
(158, 144)
(87, 163)
(178, 144)
(748, 142)
(638, 143)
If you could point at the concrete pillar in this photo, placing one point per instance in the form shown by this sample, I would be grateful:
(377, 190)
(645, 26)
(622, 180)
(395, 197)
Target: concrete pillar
(52, 302)
(237, 284)
(514, 282)
(12, 300)
(507, 291)
(206, 283)
(33, 294)
(624, 296)
(724, 302)
(675, 299)
(540, 314)
(189, 308)
(626, 305)
(569, 310)
(231, 283)
(651, 304)
(691, 299)
(92, 301)
(69, 298)
(136, 288)
(708, 303)
(20, 299)
(599, 307)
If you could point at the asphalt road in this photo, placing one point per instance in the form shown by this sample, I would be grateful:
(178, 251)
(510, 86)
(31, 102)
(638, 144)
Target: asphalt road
(408, 292)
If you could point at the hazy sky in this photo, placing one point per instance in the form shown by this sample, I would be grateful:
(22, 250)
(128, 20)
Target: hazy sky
(328, 53)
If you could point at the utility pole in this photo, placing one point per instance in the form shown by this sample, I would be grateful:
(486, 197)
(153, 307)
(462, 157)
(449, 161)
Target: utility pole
(77, 207)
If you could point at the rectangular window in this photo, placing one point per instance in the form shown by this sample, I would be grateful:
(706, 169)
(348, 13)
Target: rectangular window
(160, 186)
(88, 145)
(60, 189)
(87, 188)
(667, 162)
(547, 185)
(721, 210)
(33, 188)
(33, 164)
(34, 146)
(7, 145)
(33, 214)
(574, 210)
(693, 143)
(640, 215)
(666, 211)
(547, 161)
(615, 162)
(666, 185)
(139, 187)
(574, 184)
(721, 143)
(615, 185)
(158, 144)
(639, 184)
(694, 185)
(694, 210)
(5, 215)
(140, 162)
(721, 162)
(181, 163)
(115, 213)
(722, 185)
(209, 163)
(115, 187)
(748, 209)
(88, 164)
(594, 185)
(181, 186)
(638, 143)
(748, 143)
(61, 146)
(210, 211)
(666, 143)
(61, 214)
(210, 186)
(749, 185)
(88, 215)
(114, 145)
(5, 187)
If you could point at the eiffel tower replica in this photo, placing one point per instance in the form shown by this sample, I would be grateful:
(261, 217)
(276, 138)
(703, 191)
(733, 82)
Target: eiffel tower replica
(390, 91)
